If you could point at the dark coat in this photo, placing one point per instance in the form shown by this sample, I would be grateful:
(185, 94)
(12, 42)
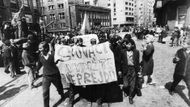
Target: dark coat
(124, 63)
(147, 60)
(183, 65)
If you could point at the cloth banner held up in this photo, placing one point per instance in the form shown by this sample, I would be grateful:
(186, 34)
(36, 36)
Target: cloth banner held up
(86, 65)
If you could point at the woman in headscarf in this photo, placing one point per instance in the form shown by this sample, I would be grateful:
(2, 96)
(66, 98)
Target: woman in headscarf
(147, 59)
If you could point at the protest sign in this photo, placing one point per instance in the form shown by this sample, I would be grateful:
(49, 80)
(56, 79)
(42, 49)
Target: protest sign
(87, 38)
(86, 65)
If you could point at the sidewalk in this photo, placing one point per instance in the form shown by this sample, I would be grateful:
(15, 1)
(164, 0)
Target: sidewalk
(11, 87)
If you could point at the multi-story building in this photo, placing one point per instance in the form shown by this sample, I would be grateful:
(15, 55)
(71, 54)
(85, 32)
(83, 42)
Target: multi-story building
(123, 12)
(144, 10)
(63, 15)
(174, 13)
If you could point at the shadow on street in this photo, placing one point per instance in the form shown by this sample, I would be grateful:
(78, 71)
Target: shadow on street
(179, 90)
(12, 92)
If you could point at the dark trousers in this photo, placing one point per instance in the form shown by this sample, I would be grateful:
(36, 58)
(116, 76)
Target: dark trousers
(74, 90)
(129, 82)
(176, 80)
(46, 82)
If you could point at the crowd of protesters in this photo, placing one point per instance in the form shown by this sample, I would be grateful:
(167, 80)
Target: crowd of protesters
(31, 52)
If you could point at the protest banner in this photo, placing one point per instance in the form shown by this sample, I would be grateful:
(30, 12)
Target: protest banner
(87, 38)
(86, 65)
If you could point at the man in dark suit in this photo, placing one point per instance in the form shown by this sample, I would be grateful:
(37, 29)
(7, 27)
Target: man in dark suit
(51, 73)
(182, 68)
(130, 68)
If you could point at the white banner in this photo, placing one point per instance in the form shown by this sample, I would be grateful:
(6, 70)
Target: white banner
(86, 65)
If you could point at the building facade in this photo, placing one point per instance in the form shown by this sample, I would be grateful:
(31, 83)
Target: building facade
(145, 14)
(174, 13)
(123, 12)
(64, 15)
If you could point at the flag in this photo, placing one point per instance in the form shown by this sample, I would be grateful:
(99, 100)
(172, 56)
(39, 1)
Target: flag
(85, 25)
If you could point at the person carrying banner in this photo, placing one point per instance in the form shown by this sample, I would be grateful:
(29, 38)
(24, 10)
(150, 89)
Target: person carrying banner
(130, 68)
(51, 73)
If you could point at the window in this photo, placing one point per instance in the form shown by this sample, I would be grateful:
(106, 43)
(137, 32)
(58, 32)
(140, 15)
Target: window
(51, 7)
(114, 9)
(126, 8)
(114, 14)
(126, 3)
(114, 18)
(62, 15)
(52, 16)
(108, 4)
(60, 6)
(129, 8)
(126, 13)
(114, 4)
(129, 4)
(50, 0)
(88, 3)
(62, 25)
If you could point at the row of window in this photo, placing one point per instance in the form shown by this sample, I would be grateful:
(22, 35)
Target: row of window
(60, 16)
(128, 13)
(52, 7)
(129, 19)
(128, 8)
(60, 25)
(128, 3)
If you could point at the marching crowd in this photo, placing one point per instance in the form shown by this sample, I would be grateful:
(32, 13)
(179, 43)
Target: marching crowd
(31, 53)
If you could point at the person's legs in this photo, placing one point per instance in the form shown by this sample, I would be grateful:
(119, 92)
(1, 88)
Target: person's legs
(187, 82)
(58, 84)
(125, 85)
(132, 83)
(12, 70)
(46, 82)
(145, 81)
(30, 77)
(176, 80)
(71, 95)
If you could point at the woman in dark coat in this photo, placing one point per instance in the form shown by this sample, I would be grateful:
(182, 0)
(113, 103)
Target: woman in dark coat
(147, 59)
(130, 68)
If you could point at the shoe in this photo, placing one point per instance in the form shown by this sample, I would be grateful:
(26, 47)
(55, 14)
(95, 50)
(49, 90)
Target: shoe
(171, 92)
(131, 100)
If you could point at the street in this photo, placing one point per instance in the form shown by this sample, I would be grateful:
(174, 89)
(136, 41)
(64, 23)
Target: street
(15, 92)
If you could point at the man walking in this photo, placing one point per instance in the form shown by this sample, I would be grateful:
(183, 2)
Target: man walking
(51, 73)
(182, 68)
